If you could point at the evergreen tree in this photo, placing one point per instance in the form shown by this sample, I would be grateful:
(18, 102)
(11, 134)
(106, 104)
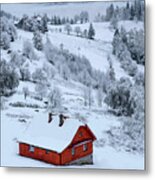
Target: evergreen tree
(44, 23)
(9, 79)
(109, 12)
(68, 28)
(37, 40)
(91, 32)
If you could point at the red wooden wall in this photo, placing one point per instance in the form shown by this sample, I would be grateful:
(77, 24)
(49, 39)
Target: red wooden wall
(40, 154)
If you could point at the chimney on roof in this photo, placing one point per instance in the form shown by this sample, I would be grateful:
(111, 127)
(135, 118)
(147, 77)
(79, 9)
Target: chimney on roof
(62, 119)
(49, 117)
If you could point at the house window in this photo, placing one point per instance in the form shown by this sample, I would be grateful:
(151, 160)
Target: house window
(31, 148)
(73, 151)
(85, 147)
(80, 134)
(47, 151)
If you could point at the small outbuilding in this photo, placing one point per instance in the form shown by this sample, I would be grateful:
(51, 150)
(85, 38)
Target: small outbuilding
(70, 143)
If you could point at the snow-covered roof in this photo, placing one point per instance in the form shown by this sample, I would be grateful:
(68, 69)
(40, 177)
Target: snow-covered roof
(50, 136)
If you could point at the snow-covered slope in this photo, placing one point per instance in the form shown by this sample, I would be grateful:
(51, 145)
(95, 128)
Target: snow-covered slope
(16, 120)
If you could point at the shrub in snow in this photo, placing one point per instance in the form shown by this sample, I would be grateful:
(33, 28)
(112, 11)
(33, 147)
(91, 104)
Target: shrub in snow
(55, 100)
(41, 90)
(22, 104)
(37, 41)
(114, 22)
(68, 28)
(39, 76)
(16, 59)
(28, 50)
(139, 78)
(49, 70)
(9, 79)
(77, 30)
(91, 31)
(5, 40)
(130, 135)
(100, 143)
(81, 118)
(118, 97)
(130, 67)
(25, 73)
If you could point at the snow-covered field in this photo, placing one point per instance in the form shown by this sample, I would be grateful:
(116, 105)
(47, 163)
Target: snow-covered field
(105, 157)
(98, 119)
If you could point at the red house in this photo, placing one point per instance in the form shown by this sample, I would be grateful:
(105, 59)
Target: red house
(70, 143)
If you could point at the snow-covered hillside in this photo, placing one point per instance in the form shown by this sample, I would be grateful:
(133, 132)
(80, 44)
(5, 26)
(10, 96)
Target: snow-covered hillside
(90, 103)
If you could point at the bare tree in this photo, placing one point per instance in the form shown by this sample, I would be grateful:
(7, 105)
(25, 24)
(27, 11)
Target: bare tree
(68, 28)
(25, 92)
(77, 30)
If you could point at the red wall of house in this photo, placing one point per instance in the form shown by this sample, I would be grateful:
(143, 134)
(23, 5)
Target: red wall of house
(66, 155)
(78, 138)
(40, 154)
(82, 135)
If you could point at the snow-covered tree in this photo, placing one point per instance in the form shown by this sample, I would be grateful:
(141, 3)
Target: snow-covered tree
(41, 90)
(16, 59)
(68, 28)
(39, 76)
(114, 22)
(9, 79)
(51, 52)
(28, 50)
(65, 71)
(37, 41)
(136, 46)
(76, 18)
(44, 27)
(110, 74)
(84, 17)
(25, 92)
(85, 33)
(99, 96)
(87, 96)
(91, 32)
(116, 41)
(49, 70)
(77, 30)
(139, 79)
(5, 40)
(109, 12)
(7, 26)
(25, 73)
(119, 97)
(55, 100)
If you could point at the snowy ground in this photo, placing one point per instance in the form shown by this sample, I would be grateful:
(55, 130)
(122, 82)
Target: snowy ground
(99, 120)
(104, 157)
